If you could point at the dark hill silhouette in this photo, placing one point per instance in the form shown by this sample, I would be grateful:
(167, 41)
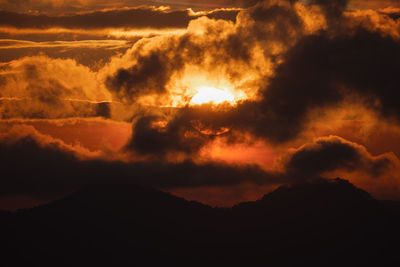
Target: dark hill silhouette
(324, 223)
(319, 193)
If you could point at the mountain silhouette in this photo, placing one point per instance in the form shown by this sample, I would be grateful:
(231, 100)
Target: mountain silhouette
(320, 223)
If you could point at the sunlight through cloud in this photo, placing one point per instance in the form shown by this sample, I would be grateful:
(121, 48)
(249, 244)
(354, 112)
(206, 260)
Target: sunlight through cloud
(208, 94)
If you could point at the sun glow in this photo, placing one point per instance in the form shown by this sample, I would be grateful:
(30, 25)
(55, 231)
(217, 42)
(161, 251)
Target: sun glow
(208, 94)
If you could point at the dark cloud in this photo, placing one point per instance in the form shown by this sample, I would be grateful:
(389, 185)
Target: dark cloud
(52, 108)
(333, 9)
(187, 132)
(149, 75)
(47, 169)
(178, 136)
(320, 71)
(275, 22)
(250, 3)
(333, 153)
(119, 18)
(394, 15)
(43, 171)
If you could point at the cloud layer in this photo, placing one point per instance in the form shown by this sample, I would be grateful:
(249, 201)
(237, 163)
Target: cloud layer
(37, 165)
(119, 18)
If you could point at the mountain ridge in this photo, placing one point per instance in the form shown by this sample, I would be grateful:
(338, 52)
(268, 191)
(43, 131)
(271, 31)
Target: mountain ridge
(123, 225)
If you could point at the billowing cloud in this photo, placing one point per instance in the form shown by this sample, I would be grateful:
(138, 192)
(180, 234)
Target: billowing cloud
(40, 87)
(332, 9)
(149, 75)
(292, 75)
(177, 136)
(321, 71)
(240, 55)
(36, 165)
(333, 153)
(48, 169)
(288, 103)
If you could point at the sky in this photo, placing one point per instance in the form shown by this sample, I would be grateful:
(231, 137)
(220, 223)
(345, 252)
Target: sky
(214, 101)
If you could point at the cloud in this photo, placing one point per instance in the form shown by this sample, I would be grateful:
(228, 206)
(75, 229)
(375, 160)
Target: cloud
(332, 9)
(57, 7)
(17, 132)
(93, 134)
(40, 87)
(177, 136)
(287, 72)
(23, 44)
(290, 71)
(136, 18)
(373, 4)
(37, 165)
(315, 75)
(242, 53)
(65, 6)
(333, 153)
(320, 72)
(70, 6)
(188, 131)
(149, 75)
(91, 53)
(48, 169)
(153, 65)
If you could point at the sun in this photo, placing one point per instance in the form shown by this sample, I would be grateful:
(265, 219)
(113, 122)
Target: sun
(208, 94)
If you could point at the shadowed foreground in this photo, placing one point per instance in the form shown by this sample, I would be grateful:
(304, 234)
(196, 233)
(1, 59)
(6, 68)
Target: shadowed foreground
(327, 223)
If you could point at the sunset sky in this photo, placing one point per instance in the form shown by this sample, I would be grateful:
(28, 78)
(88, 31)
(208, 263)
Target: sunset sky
(216, 101)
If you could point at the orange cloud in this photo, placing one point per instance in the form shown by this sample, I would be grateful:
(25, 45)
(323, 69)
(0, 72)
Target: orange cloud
(373, 4)
(17, 132)
(40, 87)
(92, 134)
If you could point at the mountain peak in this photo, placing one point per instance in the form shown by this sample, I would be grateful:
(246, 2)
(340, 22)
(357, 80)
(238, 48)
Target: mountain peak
(122, 200)
(321, 194)
(333, 189)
